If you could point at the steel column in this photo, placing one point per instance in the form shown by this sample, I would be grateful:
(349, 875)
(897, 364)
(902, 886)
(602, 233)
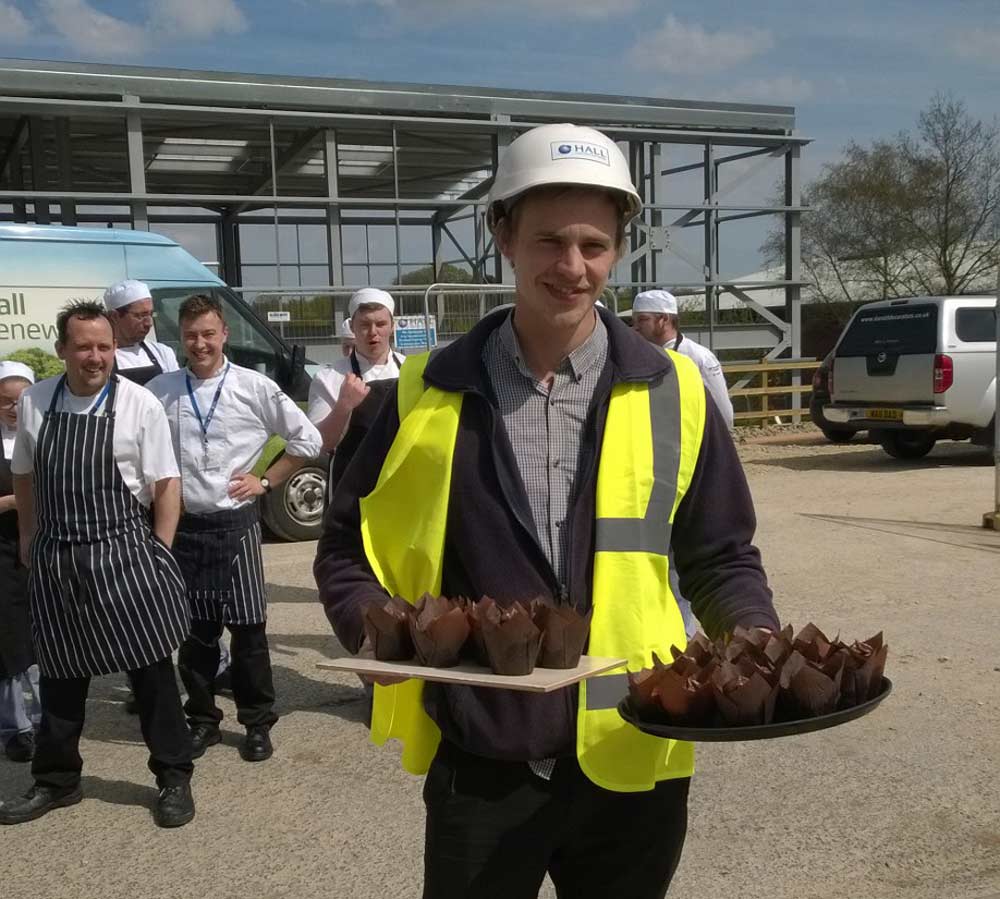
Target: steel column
(334, 242)
(793, 266)
(136, 166)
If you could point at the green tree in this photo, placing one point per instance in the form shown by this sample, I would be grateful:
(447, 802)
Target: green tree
(915, 214)
(43, 364)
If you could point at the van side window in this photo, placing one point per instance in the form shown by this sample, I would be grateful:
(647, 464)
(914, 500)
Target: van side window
(975, 324)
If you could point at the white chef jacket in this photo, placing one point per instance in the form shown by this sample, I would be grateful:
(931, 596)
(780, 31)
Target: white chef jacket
(325, 388)
(135, 357)
(7, 435)
(142, 437)
(251, 409)
(711, 373)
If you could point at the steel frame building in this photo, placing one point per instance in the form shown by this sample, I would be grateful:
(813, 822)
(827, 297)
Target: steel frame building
(140, 146)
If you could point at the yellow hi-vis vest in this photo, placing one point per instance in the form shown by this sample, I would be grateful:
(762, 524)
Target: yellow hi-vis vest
(648, 455)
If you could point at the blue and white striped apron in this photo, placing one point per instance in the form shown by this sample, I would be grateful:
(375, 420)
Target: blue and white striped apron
(106, 594)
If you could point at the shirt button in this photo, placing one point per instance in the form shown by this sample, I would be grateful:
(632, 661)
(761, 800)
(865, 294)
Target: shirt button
(559, 524)
(555, 464)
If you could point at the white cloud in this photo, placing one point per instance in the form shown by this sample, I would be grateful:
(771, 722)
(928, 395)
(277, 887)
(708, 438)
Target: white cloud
(684, 49)
(196, 19)
(981, 45)
(13, 24)
(414, 10)
(91, 31)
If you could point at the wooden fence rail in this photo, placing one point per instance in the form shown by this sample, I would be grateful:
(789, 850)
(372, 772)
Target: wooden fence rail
(768, 371)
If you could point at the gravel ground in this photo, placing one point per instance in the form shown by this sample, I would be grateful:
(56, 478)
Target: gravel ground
(904, 804)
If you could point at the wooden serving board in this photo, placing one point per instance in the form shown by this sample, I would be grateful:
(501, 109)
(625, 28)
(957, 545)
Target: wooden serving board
(541, 680)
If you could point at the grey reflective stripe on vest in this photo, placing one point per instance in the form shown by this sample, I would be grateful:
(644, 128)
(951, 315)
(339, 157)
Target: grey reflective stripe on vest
(652, 533)
(606, 692)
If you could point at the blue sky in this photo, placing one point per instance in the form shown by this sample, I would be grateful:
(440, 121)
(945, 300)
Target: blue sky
(852, 69)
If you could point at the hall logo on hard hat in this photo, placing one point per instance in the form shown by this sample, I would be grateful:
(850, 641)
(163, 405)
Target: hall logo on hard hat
(578, 150)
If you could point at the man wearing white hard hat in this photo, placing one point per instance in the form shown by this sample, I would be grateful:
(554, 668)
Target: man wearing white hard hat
(549, 452)
(136, 358)
(656, 317)
(17, 668)
(340, 387)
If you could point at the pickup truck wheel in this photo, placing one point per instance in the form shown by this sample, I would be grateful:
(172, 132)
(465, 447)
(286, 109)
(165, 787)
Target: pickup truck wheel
(294, 509)
(837, 436)
(907, 444)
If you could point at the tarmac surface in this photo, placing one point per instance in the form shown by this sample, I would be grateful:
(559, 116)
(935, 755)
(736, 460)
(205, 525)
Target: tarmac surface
(902, 804)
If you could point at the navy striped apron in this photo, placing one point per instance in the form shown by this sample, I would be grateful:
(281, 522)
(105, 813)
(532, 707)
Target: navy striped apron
(220, 556)
(106, 594)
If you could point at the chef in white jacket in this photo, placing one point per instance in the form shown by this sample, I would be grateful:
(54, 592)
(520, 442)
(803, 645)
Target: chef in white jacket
(340, 387)
(137, 357)
(655, 316)
(221, 416)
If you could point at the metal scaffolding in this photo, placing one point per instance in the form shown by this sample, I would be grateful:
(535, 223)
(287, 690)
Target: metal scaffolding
(144, 147)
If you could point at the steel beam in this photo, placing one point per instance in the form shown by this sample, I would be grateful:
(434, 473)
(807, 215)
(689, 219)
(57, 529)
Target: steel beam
(793, 267)
(334, 244)
(39, 171)
(136, 165)
(64, 151)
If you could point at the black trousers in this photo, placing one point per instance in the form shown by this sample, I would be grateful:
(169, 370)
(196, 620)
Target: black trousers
(57, 761)
(495, 828)
(253, 683)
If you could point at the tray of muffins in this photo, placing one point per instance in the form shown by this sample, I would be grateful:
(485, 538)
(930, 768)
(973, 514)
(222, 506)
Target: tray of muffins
(535, 646)
(757, 685)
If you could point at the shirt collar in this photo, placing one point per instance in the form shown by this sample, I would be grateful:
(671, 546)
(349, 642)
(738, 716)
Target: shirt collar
(583, 358)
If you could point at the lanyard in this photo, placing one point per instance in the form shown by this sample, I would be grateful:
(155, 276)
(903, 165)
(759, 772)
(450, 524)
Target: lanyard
(207, 421)
(100, 399)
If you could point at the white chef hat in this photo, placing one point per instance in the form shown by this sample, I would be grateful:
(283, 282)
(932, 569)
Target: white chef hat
(125, 292)
(345, 331)
(661, 302)
(11, 369)
(371, 295)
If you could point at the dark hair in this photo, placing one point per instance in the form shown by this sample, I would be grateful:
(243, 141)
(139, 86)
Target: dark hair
(505, 214)
(200, 304)
(85, 310)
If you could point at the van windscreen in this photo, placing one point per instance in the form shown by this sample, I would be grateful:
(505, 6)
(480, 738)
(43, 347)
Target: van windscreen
(900, 330)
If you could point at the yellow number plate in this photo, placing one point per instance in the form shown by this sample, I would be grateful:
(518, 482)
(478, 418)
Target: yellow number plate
(885, 414)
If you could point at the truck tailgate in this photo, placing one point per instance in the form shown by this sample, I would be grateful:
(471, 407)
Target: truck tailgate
(886, 355)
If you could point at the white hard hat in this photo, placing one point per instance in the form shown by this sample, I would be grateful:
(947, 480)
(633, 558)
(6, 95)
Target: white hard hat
(562, 154)
(126, 292)
(371, 296)
(345, 331)
(11, 369)
(661, 302)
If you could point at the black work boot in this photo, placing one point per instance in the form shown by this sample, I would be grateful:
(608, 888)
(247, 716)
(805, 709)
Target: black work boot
(256, 746)
(203, 736)
(38, 801)
(21, 747)
(175, 806)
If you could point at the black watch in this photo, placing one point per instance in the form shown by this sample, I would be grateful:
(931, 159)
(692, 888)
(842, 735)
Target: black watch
(266, 484)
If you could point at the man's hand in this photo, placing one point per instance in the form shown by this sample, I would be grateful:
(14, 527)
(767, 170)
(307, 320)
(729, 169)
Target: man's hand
(8, 503)
(245, 486)
(352, 392)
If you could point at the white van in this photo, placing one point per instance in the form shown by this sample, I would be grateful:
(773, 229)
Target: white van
(43, 267)
(915, 371)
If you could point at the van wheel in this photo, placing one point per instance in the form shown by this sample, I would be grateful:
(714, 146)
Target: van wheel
(294, 510)
(907, 444)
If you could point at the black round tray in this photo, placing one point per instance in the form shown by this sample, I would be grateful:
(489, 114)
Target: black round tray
(752, 732)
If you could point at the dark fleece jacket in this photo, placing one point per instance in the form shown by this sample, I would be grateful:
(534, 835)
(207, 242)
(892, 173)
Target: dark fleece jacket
(492, 549)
